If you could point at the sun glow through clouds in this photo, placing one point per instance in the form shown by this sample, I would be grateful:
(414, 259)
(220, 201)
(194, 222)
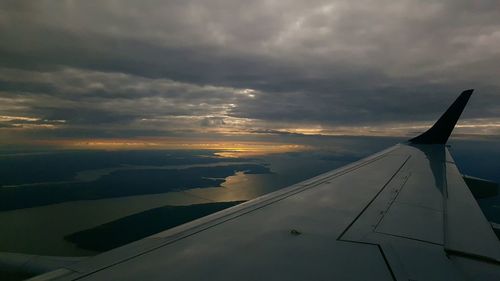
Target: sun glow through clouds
(223, 148)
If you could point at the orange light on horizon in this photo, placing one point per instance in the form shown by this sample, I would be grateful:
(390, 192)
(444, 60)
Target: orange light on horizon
(223, 148)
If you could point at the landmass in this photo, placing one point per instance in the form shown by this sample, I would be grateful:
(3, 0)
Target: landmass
(134, 227)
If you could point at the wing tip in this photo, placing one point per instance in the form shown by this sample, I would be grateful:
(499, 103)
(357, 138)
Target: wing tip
(467, 92)
(441, 130)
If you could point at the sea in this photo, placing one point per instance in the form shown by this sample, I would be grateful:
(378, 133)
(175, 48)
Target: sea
(62, 202)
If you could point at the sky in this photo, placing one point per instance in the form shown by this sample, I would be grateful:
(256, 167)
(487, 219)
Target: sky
(139, 73)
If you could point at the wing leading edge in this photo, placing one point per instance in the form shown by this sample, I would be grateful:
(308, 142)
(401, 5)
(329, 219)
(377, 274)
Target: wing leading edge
(402, 214)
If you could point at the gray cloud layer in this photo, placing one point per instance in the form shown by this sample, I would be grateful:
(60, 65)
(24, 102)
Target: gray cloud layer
(167, 67)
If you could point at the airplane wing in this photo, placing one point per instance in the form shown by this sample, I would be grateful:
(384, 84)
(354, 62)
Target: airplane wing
(402, 214)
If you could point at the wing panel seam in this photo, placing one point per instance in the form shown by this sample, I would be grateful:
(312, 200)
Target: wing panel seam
(373, 199)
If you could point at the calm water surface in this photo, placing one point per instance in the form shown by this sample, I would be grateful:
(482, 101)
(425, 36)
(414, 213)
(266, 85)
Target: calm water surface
(50, 196)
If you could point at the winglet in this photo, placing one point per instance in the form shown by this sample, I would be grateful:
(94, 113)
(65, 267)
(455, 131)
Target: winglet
(441, 130)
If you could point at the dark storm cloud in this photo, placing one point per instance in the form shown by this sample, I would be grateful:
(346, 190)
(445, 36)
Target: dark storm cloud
(212, 122)
(165, 65)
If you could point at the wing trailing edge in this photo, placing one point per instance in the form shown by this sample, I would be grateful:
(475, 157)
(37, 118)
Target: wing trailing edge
(441, 130)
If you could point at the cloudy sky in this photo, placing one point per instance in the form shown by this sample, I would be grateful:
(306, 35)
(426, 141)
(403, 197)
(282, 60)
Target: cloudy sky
(247, 70)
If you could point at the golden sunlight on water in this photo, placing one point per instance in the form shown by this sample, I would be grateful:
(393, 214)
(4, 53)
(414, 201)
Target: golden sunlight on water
(53, 222)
